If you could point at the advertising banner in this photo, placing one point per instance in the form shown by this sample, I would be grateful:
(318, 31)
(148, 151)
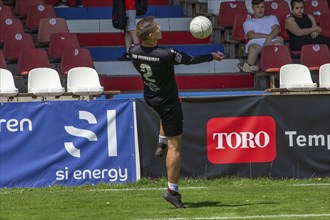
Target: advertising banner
(249, 136)
(67, 143)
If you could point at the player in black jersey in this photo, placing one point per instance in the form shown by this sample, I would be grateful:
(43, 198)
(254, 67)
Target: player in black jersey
(156, 65)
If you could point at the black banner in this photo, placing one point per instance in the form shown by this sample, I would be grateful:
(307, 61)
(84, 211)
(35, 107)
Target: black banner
(284, 136)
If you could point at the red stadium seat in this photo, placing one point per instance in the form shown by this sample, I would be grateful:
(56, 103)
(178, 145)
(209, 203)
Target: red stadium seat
(10, 26)
(281, 19)
(272, 58)
(281, 10)
(276, 8)
(227, 12)
(71, 3)
(237, 38)
(314, 56)
(22, 6)
(3, 63)
(30, 59)
(14, 43)
(317, 8)
(5, 12)
(78, 57)
(59, 41)
(238, 31)
(51, 2)
(36, 12)
(48, 26)
(97, 3)
(325, 24)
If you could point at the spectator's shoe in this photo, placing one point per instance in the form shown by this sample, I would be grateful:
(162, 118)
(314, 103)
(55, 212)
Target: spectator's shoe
(248, 68)
(174, 198)
(161, 150)
(125, 57)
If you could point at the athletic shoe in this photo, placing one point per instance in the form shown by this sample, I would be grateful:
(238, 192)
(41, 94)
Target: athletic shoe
(248, 68)
(161, 150)
(125, 57)
(174, 198)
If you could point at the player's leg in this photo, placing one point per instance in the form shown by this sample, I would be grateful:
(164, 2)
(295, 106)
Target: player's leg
(162, 142)
(173, 158)
(172, 122)
(173, 166)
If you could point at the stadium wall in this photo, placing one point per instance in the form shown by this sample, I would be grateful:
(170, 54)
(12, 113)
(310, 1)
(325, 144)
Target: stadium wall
(113, 141)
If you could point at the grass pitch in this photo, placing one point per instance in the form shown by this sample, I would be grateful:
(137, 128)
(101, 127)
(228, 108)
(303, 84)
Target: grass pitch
(224, 198)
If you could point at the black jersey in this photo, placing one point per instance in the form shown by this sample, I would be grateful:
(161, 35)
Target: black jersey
(156, 66)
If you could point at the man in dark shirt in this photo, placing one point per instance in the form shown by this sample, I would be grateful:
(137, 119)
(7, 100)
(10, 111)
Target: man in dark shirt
(156, 66)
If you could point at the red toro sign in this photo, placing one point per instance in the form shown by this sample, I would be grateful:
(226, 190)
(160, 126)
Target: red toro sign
(241, 139)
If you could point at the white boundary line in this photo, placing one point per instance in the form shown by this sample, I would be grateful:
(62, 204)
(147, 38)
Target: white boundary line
(200, 187)
(250, 217)
(312, 184)
(140, 189)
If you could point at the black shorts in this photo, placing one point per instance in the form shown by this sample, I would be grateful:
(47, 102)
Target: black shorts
(172, 118)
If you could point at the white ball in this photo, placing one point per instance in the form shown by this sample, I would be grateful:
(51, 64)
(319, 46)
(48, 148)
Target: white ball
(201, 27)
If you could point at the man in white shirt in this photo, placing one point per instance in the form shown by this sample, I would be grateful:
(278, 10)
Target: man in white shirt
(260, 31)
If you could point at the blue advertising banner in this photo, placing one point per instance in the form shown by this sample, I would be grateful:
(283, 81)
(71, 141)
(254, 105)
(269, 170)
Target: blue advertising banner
(68, 143)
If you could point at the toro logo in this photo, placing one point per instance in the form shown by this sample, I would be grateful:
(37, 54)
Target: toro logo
(241, 139)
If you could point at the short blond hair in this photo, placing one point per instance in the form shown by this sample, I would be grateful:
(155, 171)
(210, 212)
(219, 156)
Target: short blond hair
(145, 27)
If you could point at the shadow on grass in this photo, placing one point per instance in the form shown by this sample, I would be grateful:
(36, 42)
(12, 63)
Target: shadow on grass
(218, 204)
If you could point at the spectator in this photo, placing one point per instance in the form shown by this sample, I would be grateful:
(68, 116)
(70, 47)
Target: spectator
(261, 30)
(129, 32)
(302, 28)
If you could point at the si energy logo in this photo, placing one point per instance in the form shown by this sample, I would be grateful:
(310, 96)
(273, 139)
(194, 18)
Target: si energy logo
(241, 139)
(87, 173)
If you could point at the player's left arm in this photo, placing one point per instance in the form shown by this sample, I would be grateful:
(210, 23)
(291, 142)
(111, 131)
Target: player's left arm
(183, 58)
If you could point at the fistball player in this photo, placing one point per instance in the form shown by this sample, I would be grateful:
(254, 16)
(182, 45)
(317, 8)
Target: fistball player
(156, 66)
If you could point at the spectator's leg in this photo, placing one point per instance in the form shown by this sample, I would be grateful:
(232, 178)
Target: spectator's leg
(254, 51)
(134, 38)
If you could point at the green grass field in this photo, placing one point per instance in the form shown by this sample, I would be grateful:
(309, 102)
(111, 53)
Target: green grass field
(224, 198)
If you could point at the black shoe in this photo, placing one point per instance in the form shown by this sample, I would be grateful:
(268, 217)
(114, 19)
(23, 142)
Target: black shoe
(161, 150)
(174, 198)
(125, 57)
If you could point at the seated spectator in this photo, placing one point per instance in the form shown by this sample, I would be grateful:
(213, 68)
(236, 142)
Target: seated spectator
(302, 28)
(260, 30)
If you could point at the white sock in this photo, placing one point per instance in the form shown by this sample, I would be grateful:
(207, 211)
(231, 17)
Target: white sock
(173, 187)
(162, 139)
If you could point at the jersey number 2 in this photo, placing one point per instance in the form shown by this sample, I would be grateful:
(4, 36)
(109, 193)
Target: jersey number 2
(147, 73)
